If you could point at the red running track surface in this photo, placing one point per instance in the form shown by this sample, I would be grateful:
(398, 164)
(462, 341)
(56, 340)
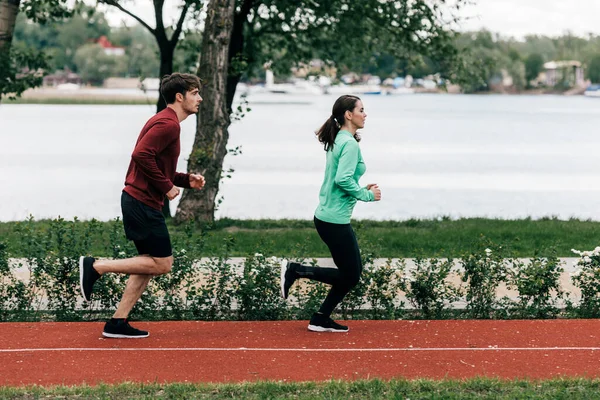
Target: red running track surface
(190, 351)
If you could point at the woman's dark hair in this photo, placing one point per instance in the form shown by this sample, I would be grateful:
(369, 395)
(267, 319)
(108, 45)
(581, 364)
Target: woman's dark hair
(332, 126)
(175, 83)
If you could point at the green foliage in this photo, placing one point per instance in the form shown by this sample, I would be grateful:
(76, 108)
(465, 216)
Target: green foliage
(42, 283)
(538, 285)
(23, 66)
(534, 64)
(259, 295)
(486, 55)
(350, 35)
(593, 70)
(428, 289)
(587, 279)
(14, 294)
(382, 290)
(94, 65)
(60, 39)
(483, 271)
(43, 11)
(187, 55)
(20, 69)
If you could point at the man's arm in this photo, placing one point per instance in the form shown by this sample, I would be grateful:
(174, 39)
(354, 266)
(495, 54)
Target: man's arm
(160, 135)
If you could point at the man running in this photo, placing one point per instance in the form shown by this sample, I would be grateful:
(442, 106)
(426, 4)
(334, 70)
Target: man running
(151, 175)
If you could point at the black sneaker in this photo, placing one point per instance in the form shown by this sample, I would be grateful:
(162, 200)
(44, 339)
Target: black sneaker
(122, 330)
(287, 277)
(87, 276)
(321, 323)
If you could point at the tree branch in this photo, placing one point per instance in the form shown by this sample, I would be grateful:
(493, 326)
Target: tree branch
(116, 4)
(179, 27)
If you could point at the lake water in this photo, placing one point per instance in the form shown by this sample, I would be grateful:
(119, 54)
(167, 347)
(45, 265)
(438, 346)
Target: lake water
(432, 155)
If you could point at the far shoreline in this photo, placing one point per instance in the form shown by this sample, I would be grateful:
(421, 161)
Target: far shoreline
(102, 96)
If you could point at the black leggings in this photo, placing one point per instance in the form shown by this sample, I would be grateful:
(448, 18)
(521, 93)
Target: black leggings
(341, 240)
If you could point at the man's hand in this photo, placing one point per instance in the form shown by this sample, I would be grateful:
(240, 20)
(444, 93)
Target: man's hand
(174, 192)
(196, 181)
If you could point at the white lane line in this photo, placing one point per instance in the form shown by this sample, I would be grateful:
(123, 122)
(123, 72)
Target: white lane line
(393, 349)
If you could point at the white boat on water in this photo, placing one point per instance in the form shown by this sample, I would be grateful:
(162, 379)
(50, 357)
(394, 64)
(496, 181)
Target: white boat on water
(296, 86)
(353, 89)
(399, 91)
(592, 91)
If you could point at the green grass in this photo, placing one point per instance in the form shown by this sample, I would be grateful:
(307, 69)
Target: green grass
(478, 388)
(410, 238)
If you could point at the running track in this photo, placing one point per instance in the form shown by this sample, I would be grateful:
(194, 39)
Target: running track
(75, 353)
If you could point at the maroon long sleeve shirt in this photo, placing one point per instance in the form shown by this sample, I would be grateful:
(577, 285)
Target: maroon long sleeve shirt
(152, 170)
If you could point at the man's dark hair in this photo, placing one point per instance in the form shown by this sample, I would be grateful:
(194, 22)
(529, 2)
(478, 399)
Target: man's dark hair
(175, 83)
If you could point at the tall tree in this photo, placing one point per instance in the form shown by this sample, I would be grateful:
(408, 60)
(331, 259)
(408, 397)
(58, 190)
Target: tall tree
(166, 44)
(8, 16)
(534, 64)
(287, 32)
(594, 69)
(20, 68)
(214, 114)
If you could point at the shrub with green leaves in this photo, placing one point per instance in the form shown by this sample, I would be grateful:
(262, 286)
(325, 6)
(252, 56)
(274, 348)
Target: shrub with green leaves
(483, 271)
(44, 284)
(383, 287)
(213, 297)
(538, 285)
(259, 294)
(15, 298)
(428, 289)
(587, 279)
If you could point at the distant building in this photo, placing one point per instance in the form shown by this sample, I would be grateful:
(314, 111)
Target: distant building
(61, 77)
(314, 67)
(109, 48)
(568, 72)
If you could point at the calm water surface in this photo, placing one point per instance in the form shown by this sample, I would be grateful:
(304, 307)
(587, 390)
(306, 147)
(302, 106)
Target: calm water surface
(432, 155)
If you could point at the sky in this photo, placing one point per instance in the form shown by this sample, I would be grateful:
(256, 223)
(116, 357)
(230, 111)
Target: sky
(515, 18)
(518, 18)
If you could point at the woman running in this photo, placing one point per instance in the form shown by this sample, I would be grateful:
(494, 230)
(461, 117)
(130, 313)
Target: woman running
(339, 193)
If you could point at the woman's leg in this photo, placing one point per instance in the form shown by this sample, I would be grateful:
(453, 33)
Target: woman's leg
(341, 241)
(343, 245)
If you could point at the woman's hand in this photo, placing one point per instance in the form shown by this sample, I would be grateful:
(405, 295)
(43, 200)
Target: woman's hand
(375, 189)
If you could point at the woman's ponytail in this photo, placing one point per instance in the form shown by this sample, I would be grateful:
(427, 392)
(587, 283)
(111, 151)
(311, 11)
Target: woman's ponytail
(329, 130)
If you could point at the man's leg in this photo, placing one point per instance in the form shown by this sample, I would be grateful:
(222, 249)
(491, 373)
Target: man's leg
(118, 326)
(140, 265)
(90, 269)
(136, 284)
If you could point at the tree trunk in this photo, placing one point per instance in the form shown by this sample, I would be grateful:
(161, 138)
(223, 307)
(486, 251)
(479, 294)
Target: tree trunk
(236, 48)
(166, 68)
(8, 17)
(210, 144)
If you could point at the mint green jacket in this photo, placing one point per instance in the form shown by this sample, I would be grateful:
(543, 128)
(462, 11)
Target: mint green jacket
(340, 189)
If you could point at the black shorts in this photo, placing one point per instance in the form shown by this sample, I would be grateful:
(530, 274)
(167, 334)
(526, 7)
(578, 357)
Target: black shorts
(146, 227)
